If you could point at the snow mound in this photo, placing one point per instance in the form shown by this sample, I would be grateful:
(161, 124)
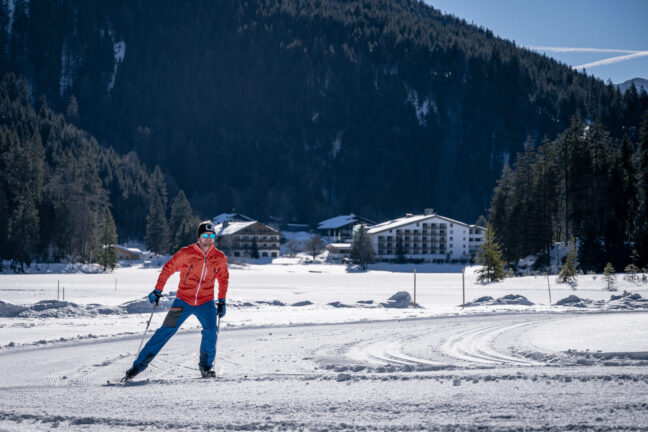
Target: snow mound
(143, 305)
(303, 303)
(400, 300)
(272, 303)
(8, 310)
(625, 301)
(55, 309)
(46, 268)
(509, 299)
(337, 304)
(574, 301)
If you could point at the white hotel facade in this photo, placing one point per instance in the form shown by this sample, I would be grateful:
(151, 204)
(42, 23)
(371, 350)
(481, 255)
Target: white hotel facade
(427, 238)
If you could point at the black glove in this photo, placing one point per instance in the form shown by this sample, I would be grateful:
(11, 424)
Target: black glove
(222, 309)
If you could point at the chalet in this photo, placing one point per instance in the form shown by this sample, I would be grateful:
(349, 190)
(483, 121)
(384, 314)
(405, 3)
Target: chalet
(230, 217)
(238, 239)
(131, 254)
(340, 228)
(339, 251)
(428, 237)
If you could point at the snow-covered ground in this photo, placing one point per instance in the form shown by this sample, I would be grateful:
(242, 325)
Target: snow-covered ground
(321, 347)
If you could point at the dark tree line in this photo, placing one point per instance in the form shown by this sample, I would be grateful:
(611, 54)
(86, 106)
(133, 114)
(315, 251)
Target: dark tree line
(585, 184)
(63, 196)
(300, 109)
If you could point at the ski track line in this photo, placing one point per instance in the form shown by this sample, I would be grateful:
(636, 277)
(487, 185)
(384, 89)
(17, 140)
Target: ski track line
(473, 346)
(482, 346)
(459, 346)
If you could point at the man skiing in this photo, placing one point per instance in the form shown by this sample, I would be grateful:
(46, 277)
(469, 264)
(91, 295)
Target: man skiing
(200, 264)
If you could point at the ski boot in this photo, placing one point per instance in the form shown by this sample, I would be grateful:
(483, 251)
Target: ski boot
(207, 372)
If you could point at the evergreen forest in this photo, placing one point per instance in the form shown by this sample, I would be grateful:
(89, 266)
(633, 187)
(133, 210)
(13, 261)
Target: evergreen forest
(585, 187)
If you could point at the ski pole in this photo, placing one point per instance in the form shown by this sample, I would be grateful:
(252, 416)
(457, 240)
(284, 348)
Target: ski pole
(147, 326)
(216, 344)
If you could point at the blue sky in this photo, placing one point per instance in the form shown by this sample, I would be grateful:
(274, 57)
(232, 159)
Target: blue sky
(621, 26)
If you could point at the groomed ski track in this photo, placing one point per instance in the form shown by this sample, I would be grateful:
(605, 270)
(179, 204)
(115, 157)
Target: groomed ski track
(448, 373)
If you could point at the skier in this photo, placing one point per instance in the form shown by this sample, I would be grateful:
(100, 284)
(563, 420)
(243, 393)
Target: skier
(199, 264)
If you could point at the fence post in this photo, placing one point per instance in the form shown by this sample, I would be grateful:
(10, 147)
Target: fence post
(58, 289)
(463, 287)
(414, 288)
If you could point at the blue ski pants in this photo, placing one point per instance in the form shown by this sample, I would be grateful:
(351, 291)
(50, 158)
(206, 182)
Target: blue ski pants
(178, 313)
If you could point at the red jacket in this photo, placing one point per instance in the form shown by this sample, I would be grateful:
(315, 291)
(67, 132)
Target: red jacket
(197, 274)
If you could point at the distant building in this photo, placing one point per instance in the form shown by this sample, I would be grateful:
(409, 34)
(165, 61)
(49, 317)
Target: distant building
(132, 254)
(340, 228)
(237, 239)
(429, 238)
(230, 217)
(339, 251)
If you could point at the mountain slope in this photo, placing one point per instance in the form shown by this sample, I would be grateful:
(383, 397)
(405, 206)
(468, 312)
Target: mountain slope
(301, 109)
(639, 83)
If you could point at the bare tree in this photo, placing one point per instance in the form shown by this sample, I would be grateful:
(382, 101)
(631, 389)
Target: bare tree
(293, 247)
(315, 245)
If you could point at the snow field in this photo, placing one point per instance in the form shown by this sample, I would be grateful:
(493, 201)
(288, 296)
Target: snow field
(328, 377)
(342, 361)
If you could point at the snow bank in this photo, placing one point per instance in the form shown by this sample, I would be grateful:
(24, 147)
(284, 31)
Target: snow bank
(143, 305)
(55, 268)
(8, 310)
(65, 309)
(401, 300)
(625, 301)
(55, 309)
(509, 299)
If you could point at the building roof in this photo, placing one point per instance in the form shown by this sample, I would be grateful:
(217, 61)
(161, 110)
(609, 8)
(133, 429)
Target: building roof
(340, 245)
(343, 220)
(231, 227)
(127, 249)
(228, 228)
(230, 217)
(406, 220)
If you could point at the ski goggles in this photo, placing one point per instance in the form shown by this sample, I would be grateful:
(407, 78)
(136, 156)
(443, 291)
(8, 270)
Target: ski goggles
(208, 235)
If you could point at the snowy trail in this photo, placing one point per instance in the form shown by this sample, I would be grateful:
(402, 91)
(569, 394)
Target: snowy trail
(454, 372)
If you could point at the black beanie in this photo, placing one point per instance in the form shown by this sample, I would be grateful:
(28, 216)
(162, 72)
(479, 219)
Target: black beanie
(206, 226)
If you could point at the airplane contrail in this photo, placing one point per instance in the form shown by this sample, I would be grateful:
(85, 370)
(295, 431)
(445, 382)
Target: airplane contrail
(611, 60)
(629, 54)
(569, 49)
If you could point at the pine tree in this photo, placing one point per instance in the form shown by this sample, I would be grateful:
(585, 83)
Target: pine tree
(489, 256)
(158, 186)
(361, 250)
(254, 251)
(610, 278)
(183, 223)
(21, 170)
(157, 231)
(569, 269)
(4, 222)
(107, 255)
(400, 250)
(641, 219)
(72, 110)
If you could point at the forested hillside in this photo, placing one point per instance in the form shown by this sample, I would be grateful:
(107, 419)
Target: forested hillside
(302, 109)
(585, 187)
(58, 186)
